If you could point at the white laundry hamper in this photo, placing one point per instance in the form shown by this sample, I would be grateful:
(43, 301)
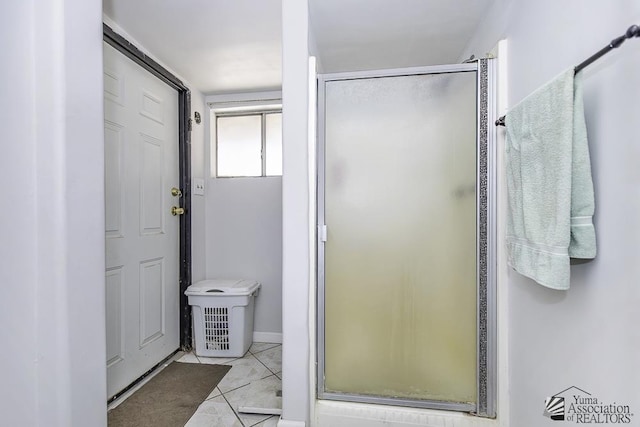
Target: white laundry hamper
(222, 312)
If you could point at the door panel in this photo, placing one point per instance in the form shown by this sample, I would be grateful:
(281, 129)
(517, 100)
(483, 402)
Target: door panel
(152, 186)
(115, 316)
(114, 180)
(142, 237)
(400, 256)
(151, 301)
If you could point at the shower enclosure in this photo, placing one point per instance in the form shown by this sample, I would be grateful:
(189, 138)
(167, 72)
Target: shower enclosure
(406, 276)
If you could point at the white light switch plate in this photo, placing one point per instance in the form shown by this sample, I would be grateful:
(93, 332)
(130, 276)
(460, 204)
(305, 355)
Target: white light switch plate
(198, 186)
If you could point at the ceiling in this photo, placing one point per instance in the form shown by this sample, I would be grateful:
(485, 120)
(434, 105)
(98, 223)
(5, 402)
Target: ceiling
(228, 46)
(376, 34)
(218, 46)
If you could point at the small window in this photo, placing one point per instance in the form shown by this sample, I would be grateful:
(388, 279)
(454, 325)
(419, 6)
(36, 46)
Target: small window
(249, 144)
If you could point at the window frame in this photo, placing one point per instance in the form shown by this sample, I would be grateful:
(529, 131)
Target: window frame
(262, 112)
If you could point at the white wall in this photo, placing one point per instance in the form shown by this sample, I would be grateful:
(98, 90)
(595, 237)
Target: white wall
(52, 222)
(296, 215)
(586, 336)
(244, 240)
(199, 134)
(18, 398)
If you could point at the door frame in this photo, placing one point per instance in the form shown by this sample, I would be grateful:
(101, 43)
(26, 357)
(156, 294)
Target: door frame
(184, 161)
(486, 220)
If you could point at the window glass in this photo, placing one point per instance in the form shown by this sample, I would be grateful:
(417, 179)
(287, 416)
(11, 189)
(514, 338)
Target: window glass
(248, 145)
(239, 145)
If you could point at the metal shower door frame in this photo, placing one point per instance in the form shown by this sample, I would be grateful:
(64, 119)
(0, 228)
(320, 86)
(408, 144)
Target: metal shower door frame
(486, 232)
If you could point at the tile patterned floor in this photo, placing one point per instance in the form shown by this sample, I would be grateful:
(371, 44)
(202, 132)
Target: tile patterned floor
(253, 381)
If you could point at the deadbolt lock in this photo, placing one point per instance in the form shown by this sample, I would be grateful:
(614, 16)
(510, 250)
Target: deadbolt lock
(175, 210)
(175, 192)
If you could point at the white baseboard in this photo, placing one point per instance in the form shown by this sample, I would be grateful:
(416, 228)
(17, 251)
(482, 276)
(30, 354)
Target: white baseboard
(286, 423)
(272, 337)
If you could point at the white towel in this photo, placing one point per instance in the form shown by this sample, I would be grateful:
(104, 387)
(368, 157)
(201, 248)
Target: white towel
(549, 183)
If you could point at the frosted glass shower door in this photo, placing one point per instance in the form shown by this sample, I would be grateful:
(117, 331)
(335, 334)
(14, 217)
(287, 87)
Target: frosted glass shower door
(400, 304)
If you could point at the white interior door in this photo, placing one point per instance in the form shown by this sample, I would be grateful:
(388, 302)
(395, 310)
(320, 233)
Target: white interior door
(142, 237)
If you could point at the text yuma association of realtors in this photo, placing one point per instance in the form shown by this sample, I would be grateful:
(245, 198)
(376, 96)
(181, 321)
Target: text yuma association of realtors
(589, 410)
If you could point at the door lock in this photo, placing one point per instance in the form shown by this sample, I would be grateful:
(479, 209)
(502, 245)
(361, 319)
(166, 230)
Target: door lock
(175, 192)
(175, 210)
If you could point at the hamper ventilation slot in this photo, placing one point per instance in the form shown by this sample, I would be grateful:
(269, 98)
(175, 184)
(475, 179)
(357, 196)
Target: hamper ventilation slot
(216, 328)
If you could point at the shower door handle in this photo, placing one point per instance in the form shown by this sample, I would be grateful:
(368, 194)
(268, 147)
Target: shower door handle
(322, 232)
